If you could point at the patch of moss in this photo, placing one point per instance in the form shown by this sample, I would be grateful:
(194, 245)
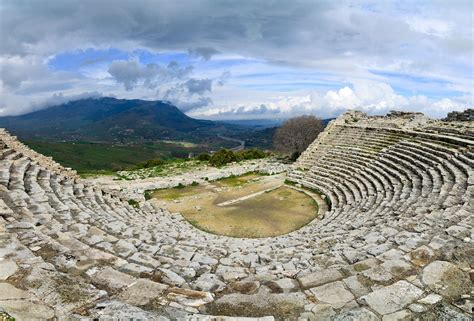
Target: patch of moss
(6, 317)
(359, 267)
(133, 203)
(68, 290)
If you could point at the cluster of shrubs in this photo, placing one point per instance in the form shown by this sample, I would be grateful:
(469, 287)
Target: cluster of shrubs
(150, 163)
(219, 158)
(134, 203)
(225, 156)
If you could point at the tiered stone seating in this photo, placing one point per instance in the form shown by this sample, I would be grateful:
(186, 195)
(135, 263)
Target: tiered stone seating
(400, 214)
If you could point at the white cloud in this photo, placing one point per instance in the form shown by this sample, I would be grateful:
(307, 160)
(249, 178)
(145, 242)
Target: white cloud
(432, 27)
(372, 97)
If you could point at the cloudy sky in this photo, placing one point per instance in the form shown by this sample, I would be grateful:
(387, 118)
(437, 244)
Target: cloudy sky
(240, 59)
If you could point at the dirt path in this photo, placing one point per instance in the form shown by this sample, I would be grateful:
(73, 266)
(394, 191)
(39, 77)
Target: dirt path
(246, 197)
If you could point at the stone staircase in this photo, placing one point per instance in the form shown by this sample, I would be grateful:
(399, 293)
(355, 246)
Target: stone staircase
(397, 241)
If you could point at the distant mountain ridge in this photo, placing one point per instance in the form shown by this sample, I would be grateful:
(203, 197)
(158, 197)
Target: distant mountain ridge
(109, 120)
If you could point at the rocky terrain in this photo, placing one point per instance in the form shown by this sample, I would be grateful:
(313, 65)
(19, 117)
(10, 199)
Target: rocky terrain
(395, 244)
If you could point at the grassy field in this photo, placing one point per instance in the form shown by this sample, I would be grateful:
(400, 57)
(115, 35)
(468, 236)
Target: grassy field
(271, 213)
(103, 158)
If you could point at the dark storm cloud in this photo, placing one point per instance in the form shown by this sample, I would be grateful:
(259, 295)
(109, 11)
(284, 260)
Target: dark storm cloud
(198, 86)
(285, 31)
(130, 73)
(205, 52)
(188, 105)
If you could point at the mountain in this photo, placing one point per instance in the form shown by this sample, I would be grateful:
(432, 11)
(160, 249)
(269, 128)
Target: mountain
(111, 120)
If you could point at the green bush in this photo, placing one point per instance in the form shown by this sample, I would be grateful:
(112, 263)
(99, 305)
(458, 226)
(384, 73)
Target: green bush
(204, 157)
(294, 156)
(150, 163)
(251, 154)
(148, 195)
(134, 203)
(222, 157)
(225, 156)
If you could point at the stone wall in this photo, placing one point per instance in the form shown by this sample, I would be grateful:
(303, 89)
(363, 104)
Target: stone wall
(467, 115)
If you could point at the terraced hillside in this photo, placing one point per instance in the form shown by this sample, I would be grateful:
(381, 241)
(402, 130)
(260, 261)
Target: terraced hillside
(396, 242)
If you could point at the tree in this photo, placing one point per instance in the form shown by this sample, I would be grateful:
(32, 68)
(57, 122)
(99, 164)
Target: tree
(295, 134)
(222, 157)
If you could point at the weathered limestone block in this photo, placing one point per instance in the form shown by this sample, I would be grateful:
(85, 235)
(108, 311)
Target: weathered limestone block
(285, 285)
(142, 292)
(230, 273)
(112, 278)
(171, 278)
(446, 279)
(27, 310)
(334, 294)
(322, 312)
(7, 269)
(403, 315)
(356, 314)
(357, 285)
(393, 297)
(189, 298)
(319, 278)
(422, 255)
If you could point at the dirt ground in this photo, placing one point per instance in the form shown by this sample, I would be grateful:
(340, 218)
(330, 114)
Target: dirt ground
(270, 208)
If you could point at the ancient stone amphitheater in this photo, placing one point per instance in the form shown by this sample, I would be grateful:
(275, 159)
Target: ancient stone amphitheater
(395, 244)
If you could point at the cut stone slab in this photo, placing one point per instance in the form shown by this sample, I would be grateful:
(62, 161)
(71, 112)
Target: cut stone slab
(357, 287)
(116, 310)
(190, 298)
(142, 292)
(113, 278)
(230, 273)
(361, 314)
(209, 283)
(20, 225)
(459, 232)
(378, 274)
(422, 255)
(403, 315)
(244, 287)
(398, 268)
(431, 299)
(143, 259)
(7, 269)
(281, 306)
(204, 259)
(446, 279)
(334, 294)
(393, 298)
(26, 310)
(171, 278)
(135, 269)
(285, 285)
(9, 292)
(322, 312)
(124, 248)
(319, 278)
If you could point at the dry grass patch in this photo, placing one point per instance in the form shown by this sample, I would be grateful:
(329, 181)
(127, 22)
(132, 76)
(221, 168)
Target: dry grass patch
(266, 213)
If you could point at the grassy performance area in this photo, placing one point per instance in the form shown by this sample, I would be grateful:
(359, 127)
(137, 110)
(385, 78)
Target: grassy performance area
(245, 206)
